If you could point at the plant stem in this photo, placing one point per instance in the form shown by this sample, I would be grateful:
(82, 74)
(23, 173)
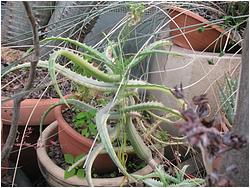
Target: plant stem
(17, 101)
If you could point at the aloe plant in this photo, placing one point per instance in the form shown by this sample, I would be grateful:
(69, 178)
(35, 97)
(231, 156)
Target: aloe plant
(121, 107)
(161, 179)
(112, 75)
(228, 97)
(123, 104)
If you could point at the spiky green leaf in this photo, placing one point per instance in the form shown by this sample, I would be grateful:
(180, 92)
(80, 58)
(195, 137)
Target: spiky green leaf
(153, 182)
(83, 46)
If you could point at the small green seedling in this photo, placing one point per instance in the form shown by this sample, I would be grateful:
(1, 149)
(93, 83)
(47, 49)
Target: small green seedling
(77, 171)
(84, 123)
(227, 94)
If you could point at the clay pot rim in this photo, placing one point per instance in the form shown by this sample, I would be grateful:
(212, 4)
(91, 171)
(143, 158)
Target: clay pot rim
(196, 16)
(32, 101)
(28, 105)
(68, 129)
(55, 170)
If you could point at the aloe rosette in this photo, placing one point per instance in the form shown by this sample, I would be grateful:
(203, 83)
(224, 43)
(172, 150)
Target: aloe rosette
(115, 81)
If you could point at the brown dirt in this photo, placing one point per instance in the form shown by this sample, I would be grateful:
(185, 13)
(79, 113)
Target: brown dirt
(68, 115)
(55, 153)
(16, 80)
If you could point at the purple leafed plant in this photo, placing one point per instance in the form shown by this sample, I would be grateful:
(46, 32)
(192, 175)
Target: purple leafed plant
(210, 140)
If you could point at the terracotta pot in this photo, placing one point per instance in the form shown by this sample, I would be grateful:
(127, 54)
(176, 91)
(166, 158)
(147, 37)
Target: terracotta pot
(55, 175)
(198, 40)
(26, 109)
(74, 143)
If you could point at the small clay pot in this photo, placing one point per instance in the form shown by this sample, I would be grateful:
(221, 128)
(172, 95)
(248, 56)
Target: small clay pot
(26, 109)
(75, 144)
(54, 175)
(199, 41)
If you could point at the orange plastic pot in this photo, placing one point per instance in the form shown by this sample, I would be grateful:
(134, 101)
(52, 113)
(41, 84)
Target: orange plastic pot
(199, 40)
(75, 144)
(26, 109)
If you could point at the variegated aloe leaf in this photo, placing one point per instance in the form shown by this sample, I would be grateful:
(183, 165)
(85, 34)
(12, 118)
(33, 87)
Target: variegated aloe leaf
(149, 106)
(79, 104)
(94, 153)
(152, 52)
(80, 79)
(149, 51)
(186, 183)
(101, 123)
(148, 179)
(162, 175)
(76, 59)
(140, 148)
(89, 49)
(95, 84)
(24, 65)
(95, 72)
(158, 44)
(138, 84)
(196, 182)
(92, 156)
(141, 56)
(102, 86)
(75, 77)
(159, 174)
(153, 182)
(182, 172)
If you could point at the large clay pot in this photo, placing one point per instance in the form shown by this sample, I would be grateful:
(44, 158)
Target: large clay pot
(74, 143)
(26, 109)
(55, 175)
(199, 41)
(194, 72)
